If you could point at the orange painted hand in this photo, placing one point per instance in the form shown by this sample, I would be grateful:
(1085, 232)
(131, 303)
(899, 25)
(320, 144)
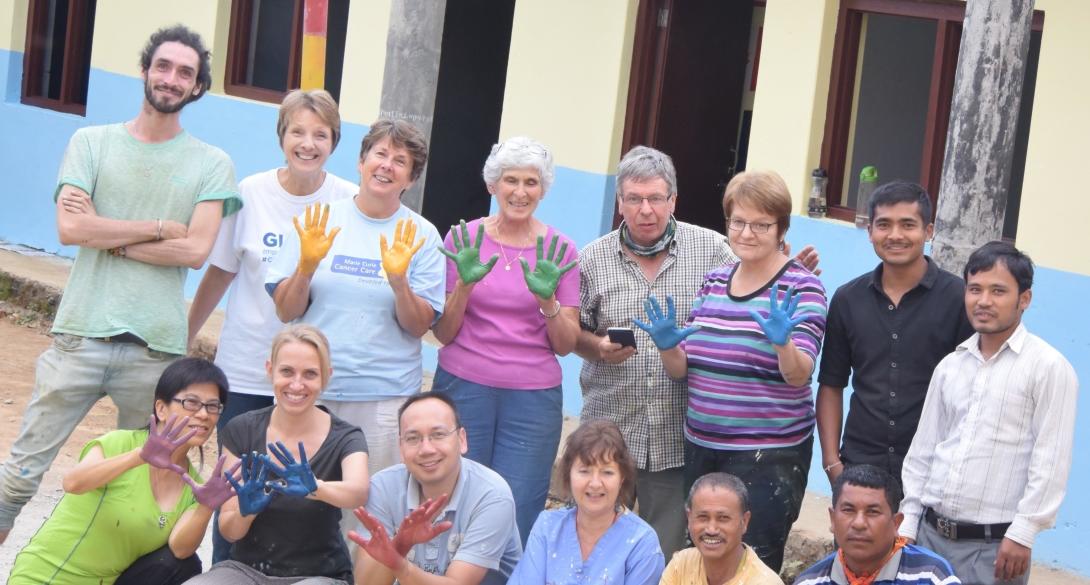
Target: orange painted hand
(314, 243)
(396, 258)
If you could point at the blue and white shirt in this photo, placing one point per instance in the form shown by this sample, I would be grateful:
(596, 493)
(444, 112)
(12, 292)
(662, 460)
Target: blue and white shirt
(912, 565)
(352, 303)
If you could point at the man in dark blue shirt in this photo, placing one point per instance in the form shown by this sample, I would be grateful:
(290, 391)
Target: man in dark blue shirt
(887, 329)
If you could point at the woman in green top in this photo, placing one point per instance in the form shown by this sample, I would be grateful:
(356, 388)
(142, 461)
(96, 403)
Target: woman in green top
(131, 512)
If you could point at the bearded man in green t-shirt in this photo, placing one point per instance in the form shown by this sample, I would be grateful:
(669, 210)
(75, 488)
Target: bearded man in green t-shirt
(143, 201)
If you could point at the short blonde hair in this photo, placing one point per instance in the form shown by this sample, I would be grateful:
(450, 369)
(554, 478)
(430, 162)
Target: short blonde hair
(316, 100)
(310, 335)
(762, 190)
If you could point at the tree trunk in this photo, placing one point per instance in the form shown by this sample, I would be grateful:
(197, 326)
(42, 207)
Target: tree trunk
(413, 46)
(983, 124)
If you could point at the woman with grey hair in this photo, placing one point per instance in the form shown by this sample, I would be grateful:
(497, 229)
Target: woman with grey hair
(504, 323)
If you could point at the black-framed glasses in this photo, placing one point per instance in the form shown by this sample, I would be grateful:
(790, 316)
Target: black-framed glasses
(194, 405)
(413, 439)
(737, 225)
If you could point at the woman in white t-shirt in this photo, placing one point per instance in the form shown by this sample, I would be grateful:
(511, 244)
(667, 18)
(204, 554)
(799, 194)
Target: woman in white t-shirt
(309, 127)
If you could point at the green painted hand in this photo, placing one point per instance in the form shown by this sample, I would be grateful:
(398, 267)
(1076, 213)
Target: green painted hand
(467, 257)
(545, 277)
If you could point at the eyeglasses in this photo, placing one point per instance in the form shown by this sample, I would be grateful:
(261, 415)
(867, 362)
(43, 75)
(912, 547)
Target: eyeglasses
(415, 439)
(194, 405)
(637, 201)
(738, 225)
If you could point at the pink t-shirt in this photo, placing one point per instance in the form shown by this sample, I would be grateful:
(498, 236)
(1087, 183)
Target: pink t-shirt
(503, 341)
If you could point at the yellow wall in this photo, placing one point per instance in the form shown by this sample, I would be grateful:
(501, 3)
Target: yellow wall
(123, 26)
(13, 26)
(1055, 203)
(792, 89)
(567, 78)
(364, 60)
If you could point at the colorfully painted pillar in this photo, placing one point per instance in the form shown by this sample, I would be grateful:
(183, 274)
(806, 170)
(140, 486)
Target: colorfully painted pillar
(315, 24)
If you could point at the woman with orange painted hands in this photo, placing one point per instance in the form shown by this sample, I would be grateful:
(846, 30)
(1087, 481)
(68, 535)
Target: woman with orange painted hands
(356, 269)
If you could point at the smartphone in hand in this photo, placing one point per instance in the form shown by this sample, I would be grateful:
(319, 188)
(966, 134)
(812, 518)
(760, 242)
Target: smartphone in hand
(622, 335)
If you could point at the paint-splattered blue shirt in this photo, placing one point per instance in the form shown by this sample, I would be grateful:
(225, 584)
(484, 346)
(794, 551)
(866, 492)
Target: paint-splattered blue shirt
(627, 554)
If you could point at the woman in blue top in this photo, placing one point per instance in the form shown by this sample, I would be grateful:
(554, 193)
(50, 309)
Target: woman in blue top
(598, 540)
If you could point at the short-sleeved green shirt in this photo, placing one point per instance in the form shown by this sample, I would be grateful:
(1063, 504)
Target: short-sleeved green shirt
(93, 537)
(132, 180)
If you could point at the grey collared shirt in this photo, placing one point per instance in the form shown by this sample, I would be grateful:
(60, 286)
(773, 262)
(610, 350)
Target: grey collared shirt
(637, 394)
(482, 511)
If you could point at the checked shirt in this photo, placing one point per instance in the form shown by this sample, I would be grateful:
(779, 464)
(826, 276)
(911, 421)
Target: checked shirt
(637, 394)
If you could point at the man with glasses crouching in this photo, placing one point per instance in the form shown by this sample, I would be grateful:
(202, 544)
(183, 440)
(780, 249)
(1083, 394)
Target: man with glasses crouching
(437, 517)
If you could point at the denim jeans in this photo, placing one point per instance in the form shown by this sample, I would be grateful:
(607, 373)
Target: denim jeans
(237, 403)
(515, 433)
(776, 481)
(71, 375)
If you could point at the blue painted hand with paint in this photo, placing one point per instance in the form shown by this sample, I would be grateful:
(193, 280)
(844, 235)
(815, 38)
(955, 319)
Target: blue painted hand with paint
(252, 494)
(296, 478)
(780, 323)
(662, 328)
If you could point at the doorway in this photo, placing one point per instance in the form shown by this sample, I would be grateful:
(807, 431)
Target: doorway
(468, 105)
(687, 94)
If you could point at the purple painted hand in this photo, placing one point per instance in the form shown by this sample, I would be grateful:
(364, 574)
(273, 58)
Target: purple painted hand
(161, 444)
(214, 492)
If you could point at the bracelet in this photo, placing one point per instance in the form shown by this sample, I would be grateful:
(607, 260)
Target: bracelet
(158, 229)
(832, 465)
(120, 251)
(550, 315)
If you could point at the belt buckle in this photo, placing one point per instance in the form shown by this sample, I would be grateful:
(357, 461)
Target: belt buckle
(947, 528)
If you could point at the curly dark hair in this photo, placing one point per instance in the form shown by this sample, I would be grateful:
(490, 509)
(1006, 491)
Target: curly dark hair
(181, 34)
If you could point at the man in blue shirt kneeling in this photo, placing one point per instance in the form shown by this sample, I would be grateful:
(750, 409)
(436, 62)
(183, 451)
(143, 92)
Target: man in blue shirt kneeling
(864, 522)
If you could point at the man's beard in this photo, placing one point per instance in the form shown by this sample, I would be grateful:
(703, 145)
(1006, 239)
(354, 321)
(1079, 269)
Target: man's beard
(161, 106)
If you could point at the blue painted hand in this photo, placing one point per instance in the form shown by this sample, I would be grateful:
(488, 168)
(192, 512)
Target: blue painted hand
(296, 478)
(780, 323)
(662, 328)
(252, 494)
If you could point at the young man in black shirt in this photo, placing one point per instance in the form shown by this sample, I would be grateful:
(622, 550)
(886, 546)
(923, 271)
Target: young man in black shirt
(887, 329)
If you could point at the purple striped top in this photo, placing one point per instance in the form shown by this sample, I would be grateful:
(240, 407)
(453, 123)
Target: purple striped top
(738, 399)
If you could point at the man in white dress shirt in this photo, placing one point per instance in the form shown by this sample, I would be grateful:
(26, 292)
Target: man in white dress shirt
(987, 469)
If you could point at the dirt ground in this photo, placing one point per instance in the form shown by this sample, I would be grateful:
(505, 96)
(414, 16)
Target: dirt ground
(21, 346)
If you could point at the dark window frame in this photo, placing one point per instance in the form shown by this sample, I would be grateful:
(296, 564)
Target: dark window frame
(76, 61)
(949, 15)
(238, 42)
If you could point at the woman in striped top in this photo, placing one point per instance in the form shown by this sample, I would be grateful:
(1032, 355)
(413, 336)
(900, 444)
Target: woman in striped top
(754, 335)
